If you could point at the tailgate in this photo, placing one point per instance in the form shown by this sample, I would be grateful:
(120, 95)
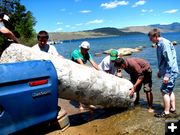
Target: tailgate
(28, 94)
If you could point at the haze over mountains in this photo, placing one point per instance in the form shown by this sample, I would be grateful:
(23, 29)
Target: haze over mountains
(174, 27)
(110, 31)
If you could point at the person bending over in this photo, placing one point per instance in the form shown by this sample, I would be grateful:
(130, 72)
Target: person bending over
(140, 73)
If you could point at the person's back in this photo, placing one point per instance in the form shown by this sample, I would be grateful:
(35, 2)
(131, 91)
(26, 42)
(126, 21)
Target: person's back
(107, 64)
(136, 66)
(76, 54)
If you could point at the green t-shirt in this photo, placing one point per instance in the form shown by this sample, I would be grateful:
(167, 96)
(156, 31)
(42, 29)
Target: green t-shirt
(76, 54)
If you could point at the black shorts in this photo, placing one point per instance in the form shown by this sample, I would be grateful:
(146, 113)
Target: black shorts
(147, 81)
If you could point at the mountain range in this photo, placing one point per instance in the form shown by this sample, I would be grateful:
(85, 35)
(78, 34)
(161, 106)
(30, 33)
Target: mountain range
(111, 31)
(174, 27)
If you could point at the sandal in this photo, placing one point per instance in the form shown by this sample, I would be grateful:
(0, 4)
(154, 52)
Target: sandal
(161, 115)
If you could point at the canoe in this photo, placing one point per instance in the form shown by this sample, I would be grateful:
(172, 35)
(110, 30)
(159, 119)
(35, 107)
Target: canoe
(77, 82)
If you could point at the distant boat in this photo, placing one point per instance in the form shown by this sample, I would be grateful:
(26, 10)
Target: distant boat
(54, 42)
(51, 42)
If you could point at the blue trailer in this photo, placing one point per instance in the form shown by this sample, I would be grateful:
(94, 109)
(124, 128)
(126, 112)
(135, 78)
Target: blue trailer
(28, 95)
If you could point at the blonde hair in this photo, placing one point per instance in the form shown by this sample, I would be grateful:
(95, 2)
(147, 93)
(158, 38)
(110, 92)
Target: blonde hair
(154, 33)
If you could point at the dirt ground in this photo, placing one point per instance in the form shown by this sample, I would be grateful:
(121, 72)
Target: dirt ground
(77, 119)
(112, 121)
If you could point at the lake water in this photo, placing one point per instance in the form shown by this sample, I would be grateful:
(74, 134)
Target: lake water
(98, 45)
(139, 120)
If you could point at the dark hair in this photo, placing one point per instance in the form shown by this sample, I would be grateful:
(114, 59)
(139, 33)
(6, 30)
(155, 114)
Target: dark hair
(1, 15)
(154, 32)
(119, 62)
(43, 34)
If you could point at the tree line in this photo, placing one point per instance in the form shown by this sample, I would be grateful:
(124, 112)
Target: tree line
(21, 22)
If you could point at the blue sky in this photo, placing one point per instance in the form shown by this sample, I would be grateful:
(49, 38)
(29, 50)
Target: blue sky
(78, 15)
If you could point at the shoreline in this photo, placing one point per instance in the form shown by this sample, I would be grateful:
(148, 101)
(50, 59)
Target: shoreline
(109, 121)
(133, 121)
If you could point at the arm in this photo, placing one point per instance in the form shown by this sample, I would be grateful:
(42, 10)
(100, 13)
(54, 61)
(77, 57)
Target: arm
(138, 82)
(80, 61)
(94, 64)
(137, 71)
(92, 61)
(169, 55)
(8, 34)
(75, 56)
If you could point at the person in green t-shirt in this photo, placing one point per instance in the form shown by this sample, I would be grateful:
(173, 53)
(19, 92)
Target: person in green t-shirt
(81, 56)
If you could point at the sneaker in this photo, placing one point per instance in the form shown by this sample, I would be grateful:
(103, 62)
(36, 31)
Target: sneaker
(173, 112)
(161, 115)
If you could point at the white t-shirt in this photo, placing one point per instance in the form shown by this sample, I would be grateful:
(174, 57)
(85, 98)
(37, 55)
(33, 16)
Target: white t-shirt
(107, 65)
(48, 48)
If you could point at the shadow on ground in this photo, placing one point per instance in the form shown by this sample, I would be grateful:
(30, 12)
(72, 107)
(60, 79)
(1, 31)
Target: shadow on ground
(75, 120)
(81, 118)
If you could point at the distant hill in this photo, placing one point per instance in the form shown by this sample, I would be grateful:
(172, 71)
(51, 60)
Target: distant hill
(110, 31)
(95, 33)
(141, 29)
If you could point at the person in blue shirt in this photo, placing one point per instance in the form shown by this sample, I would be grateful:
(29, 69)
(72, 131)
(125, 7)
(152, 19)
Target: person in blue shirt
(168, 70)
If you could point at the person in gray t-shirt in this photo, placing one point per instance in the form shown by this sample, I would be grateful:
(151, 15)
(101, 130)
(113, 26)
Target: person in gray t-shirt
(4, 19)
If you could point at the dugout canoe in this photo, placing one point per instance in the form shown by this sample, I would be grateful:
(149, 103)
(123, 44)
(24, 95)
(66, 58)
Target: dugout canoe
(77, 82)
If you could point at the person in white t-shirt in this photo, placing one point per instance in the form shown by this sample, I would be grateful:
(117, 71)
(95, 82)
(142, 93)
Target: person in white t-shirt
(107, 64)
(42, 45)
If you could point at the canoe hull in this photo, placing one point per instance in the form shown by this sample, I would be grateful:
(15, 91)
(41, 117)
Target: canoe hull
(77, 82)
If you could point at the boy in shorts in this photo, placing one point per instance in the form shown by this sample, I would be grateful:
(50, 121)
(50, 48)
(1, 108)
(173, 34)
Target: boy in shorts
(168, 70)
